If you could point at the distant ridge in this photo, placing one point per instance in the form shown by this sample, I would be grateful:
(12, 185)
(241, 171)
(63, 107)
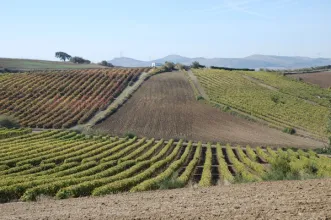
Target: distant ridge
(253, 61)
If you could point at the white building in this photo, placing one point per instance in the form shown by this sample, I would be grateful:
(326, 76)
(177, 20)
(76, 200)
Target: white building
(156, 64)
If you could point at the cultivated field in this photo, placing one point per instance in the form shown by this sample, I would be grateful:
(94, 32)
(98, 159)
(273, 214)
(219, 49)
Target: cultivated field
(280, 100)
(65, 164)
(293, 200)
(27, 64)
(62, 99)
(165, 107)
(323, 79)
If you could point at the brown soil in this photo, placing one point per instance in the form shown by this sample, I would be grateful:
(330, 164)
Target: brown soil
(309, 199)
(165, 107)
(322, 79)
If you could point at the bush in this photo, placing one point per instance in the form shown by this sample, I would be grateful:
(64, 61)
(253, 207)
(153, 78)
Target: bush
(289, 130)
(197, 65)
(275, 98)
(79, 60)
(325, 150)
(199, 97)
(171, 182)
(226, 108)
(105, 63)
(180, 66)
(130, 135)
(7, 121)
(232, 69)
(169, 66)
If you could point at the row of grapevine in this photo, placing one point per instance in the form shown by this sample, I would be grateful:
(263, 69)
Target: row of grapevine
(66, 164)
(6, 133)
(276, 99)
(56, 99)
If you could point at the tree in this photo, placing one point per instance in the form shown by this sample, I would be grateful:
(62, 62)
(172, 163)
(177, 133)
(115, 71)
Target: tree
(197, 65)
(169, 66)
(62, 56)
(105, 63)
(79, 60)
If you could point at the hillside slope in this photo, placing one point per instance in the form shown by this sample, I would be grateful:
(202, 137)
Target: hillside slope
(165, 107)
(62, 98)
(277, 99)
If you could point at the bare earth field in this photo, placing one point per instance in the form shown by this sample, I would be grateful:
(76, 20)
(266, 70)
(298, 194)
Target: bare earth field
(165, 107)
(309, 199)
(322, 79)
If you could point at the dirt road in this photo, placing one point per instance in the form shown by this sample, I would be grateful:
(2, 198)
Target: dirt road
(270, 200)
(165, 107)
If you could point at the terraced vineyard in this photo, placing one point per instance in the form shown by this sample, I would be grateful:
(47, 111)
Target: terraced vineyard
(61, 99)
(282, 101)
(66, 164)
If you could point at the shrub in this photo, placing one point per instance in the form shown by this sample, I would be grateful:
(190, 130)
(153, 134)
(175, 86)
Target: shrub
(232, 69)
(180, 66)
(275, 98)
(7, 121)
(169, 66)
(130, 135)
(197, 65)
(289, 130)
(171, 182)
(226, 108)
(105, 63)
(79, 60)
(324, 150)
(199, 97)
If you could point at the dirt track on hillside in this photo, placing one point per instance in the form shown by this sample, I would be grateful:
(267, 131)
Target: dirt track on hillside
(165, 107)
(269, 200)
(322, 79)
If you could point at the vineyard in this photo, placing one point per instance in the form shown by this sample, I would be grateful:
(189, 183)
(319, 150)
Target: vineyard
(277, 99)
(62, 99)
(65, 164)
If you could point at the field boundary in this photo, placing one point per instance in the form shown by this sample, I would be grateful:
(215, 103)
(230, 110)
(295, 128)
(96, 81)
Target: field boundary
(196, 85)
(117, 103)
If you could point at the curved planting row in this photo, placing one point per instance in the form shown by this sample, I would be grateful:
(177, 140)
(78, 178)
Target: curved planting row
(7, 133)
(276, 99)
(66, 164)
(56, 99)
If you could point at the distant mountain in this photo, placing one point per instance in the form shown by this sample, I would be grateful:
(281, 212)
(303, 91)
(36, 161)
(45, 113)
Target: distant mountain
(254, 61)
(128, 62)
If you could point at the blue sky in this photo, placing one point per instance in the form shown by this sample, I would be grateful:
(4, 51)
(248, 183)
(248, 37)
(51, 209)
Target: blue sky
(149, 29)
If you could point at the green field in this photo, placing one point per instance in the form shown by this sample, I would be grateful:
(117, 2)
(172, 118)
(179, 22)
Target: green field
(66, 164)
(277, 99)
(27, 64)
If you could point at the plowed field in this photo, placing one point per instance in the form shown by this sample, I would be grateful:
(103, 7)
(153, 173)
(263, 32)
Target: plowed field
(309, 199)
(322, 79)
(165, 107)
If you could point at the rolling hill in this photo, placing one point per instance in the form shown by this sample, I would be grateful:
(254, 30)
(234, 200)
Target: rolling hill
(26, 64)
(254, 61)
